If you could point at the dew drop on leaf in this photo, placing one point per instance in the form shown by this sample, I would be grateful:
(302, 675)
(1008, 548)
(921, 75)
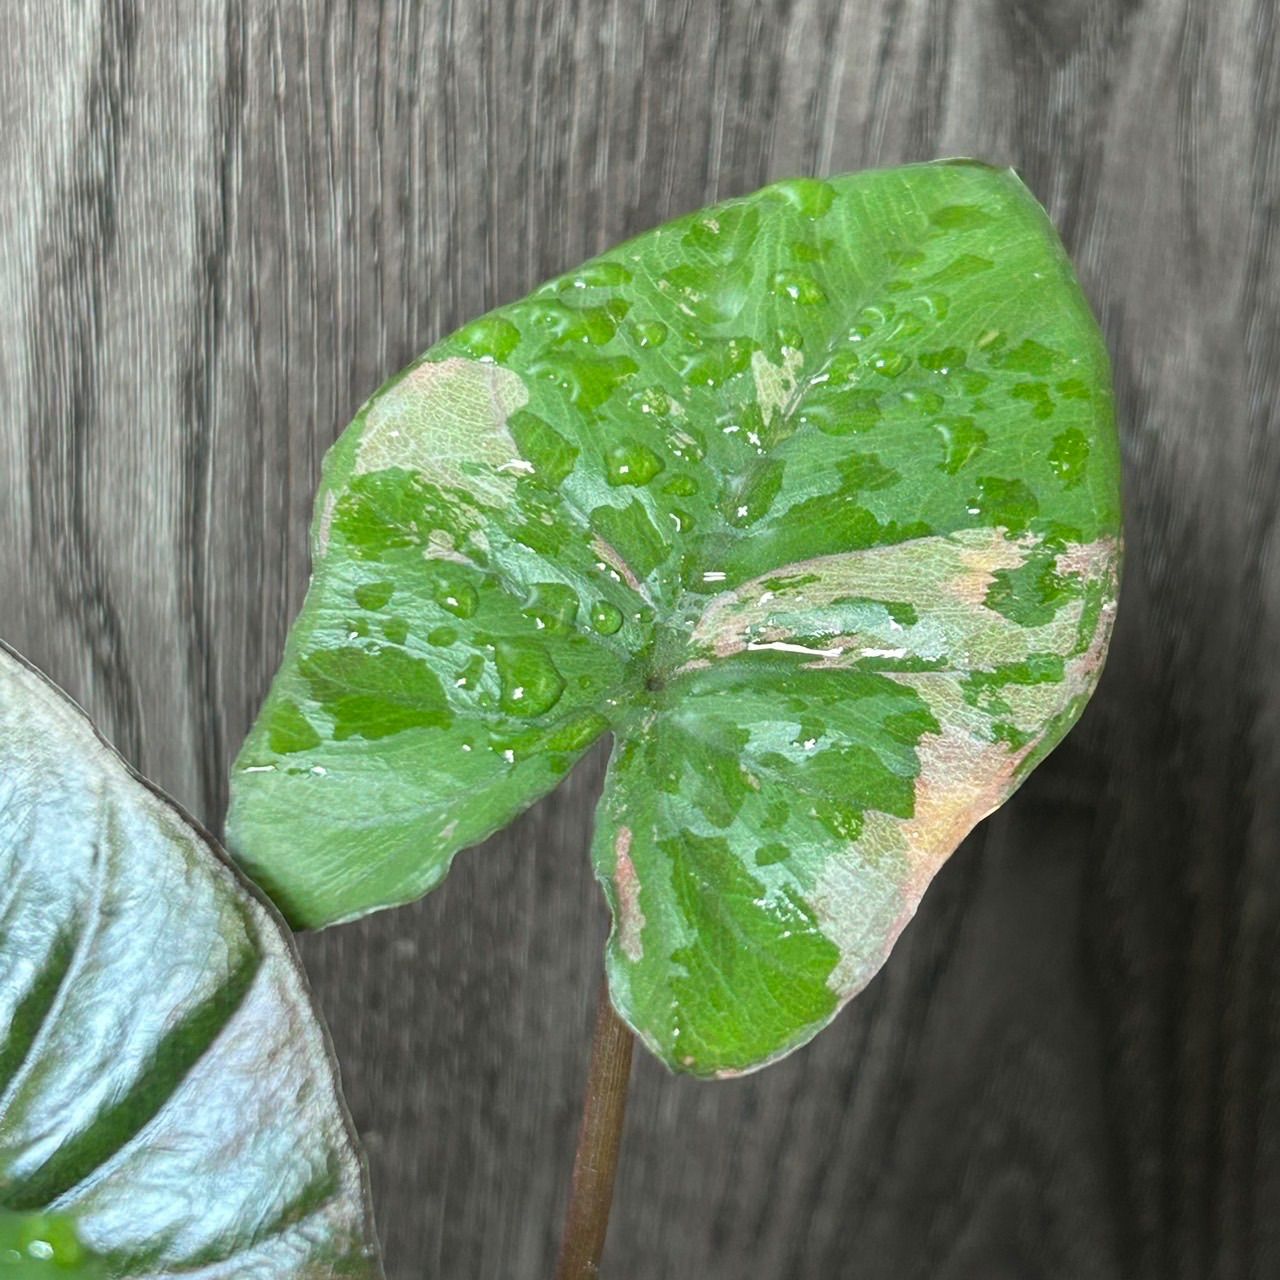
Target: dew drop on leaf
(606, 618)
(682, 485)
(458, 597)
(489, 338)
(799, 286)
(599, 275)
(649, 333)
(553, 606)
(811, 196)
(530, 682)
(631, 463)
(889, 363)
(373, 595)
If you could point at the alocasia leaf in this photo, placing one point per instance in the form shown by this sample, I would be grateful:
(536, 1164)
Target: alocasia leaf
(810, 499)
(164, 1079)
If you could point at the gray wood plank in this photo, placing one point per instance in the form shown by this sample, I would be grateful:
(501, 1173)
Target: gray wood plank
(224, 222)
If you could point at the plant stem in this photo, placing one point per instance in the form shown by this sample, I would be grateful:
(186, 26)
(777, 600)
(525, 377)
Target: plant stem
(599, 1138)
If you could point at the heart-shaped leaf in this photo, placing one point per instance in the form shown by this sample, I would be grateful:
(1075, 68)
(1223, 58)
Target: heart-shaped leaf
(810, 498)
(164, 1079)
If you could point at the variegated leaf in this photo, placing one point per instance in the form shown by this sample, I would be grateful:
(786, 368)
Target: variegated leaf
(810, 499)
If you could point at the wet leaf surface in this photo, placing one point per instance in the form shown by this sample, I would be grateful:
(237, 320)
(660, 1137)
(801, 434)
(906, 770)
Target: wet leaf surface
(44, 1246)
(810, 499)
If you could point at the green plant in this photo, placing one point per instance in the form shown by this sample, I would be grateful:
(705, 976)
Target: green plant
(43, 1246)
(164, 1080)
(809, 499)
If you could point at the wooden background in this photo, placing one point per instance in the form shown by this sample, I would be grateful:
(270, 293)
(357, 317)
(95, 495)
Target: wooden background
(223, 222)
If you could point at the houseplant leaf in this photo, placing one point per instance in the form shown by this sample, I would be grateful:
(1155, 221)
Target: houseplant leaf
(164, 1078)
(810, 499)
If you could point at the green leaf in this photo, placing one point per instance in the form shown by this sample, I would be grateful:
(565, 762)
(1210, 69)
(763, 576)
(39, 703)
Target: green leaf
(811, 499)
(44, 1246)
(164, 1078)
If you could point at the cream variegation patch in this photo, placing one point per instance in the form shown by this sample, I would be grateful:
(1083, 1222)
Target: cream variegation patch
(776, 383)
(839, 608)
(868, 892)
(630, 921)
(447, 420)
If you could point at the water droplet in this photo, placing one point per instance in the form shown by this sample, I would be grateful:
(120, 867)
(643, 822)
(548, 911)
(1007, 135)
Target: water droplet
(839, 410)
(649, 333)
(943, 361)
(373, 595)
(631, 462)
(1069, 457)
(606, 618)
(553, 605)
(681, 485)
(906, 257)
(803, 251)
(876, 316)
(396, 630)
(713, 363)
(710, 295)
(937, 304)
(960, 217)
(598, 275)
(1036, 394)
(442, 636)
(456, 595)
(926, 403)
(530, 683)
(1028, 357)
(889, 363)
(768, 854)
(909, 325)
(489, 338)
(811, 196)
(962, 438)
(841, 368)
(566, 325)
(651, 401)
(798, 286)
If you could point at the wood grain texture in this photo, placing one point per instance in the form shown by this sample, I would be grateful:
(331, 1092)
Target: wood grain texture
(223, 222)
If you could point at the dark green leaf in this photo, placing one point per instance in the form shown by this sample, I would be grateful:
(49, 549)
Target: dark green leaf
(164, 1078)
(810, 498)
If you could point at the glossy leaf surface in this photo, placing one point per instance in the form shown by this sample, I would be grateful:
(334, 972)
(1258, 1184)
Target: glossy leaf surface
(811, 499)
(164, 1079)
